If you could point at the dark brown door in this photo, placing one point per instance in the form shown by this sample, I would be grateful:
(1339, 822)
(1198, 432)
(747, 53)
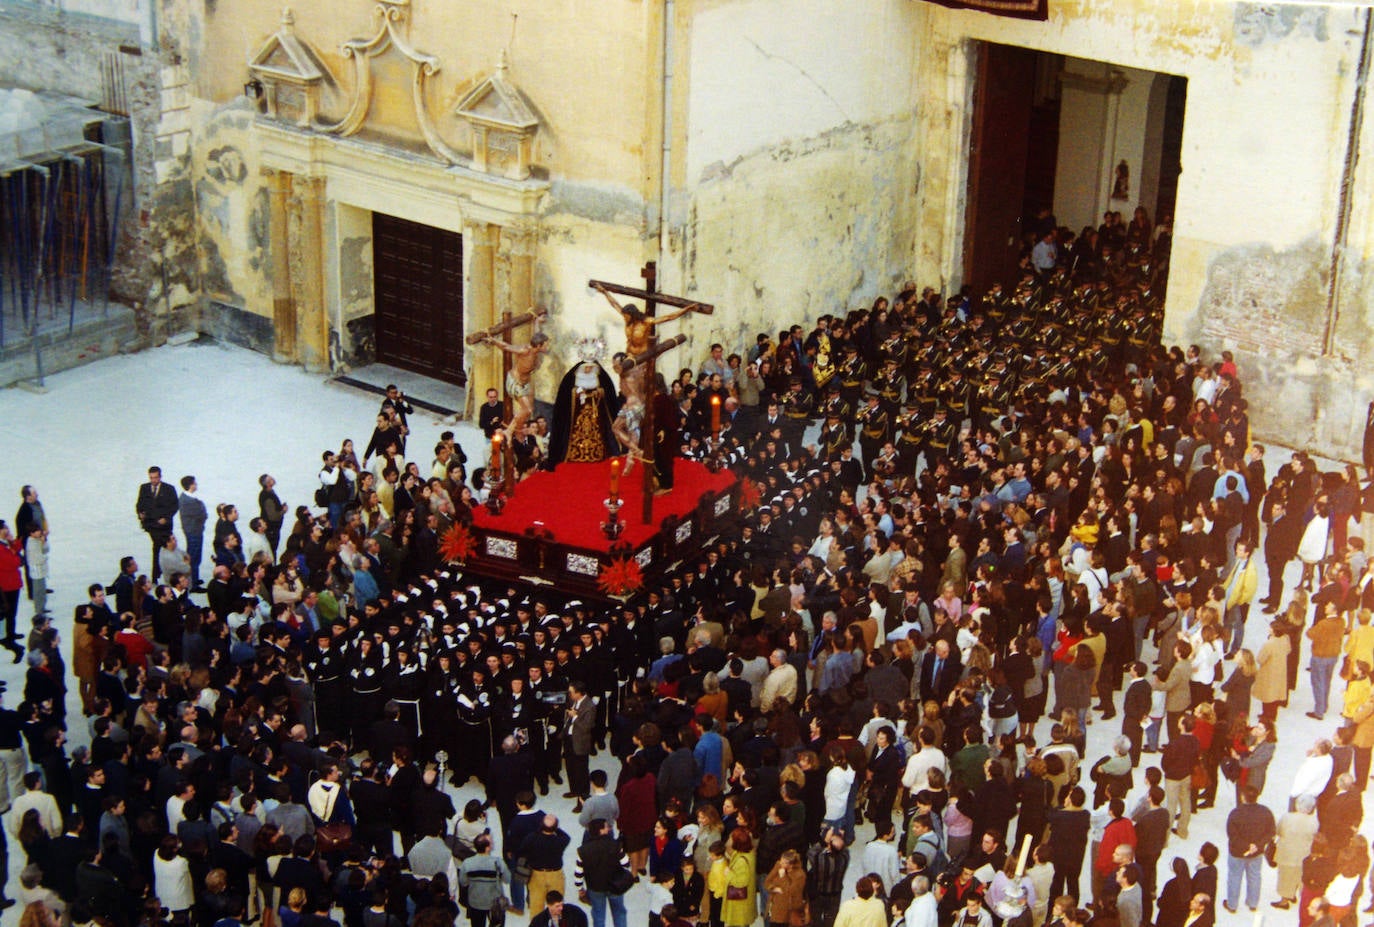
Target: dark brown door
(419, 296)
(1000, 145)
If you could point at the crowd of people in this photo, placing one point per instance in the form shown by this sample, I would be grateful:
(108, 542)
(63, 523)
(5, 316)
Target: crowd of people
(1021, 516)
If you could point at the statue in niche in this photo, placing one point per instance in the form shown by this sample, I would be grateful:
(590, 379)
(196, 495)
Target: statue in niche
(1121, 187)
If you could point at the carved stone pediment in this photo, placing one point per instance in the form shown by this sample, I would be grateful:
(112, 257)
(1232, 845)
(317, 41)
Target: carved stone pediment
(503, 124)
(392, 78)
(290, 73)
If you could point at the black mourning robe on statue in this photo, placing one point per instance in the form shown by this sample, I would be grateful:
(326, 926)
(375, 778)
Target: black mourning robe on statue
(563, 434)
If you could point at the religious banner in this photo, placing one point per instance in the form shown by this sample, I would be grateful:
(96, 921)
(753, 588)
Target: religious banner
(1021, 9)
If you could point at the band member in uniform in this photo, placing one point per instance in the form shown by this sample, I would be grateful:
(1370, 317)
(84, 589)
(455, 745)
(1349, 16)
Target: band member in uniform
(834, 438)
(992, 401)
(404, 683)
(851, 375)
(911, 436)
(440, 706)
(891, 386)
(797, 407)
(875, 428)
(940, 438)
(327, 667)
(365, 678)
(473, 736)
(552, 693)
(955, 396)
(836, 404)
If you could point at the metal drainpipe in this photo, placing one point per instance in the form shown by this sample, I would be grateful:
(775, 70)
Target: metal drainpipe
(665, 166)
(1352, 158)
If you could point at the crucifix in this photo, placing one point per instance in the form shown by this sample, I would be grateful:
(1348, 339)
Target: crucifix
(518, 364)
(642, 348)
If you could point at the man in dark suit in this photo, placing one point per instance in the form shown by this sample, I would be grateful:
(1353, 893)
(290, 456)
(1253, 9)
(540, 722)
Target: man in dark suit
(1135, 710)
(1255, 484)
(193, 515)
(578, 726)
(1151, 835)
(940, 672)
(1280, 546)
(156, 508)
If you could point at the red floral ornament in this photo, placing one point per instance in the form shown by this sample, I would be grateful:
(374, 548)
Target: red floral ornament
(620, 577)
(457, 544)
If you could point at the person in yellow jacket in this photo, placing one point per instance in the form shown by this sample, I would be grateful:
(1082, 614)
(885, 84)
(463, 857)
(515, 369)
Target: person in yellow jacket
(1241, 584)
(866, 909)
(717, 882)
(1359, 643)
(741, 907)
(1358, 690)
(1362, 714)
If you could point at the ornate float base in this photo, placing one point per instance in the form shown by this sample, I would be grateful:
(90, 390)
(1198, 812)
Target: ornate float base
(549, 534)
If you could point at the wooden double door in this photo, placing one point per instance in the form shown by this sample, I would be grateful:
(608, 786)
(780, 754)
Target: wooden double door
(418, 293)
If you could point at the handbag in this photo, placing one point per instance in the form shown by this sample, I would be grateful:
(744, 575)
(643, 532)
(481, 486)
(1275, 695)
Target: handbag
(621, 881)
(1200, 778)
(1230, 768)
(800, 917)
(736, 892)
(521, 870)
(459, 847)
(332, 837)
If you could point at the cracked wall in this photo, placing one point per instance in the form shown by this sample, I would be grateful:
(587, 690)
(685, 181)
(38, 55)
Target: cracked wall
(232, 221)
(794, 175)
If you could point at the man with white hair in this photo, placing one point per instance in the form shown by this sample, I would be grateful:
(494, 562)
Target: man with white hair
(924, 909)
(780, 685)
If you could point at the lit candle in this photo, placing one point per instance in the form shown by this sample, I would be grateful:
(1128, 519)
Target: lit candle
(616, 464)
(496, 453)
(715, 417)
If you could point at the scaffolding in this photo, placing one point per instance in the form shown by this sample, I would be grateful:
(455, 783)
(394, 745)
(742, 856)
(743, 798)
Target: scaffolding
(61, 196)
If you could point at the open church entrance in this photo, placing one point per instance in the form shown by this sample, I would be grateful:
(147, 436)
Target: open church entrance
(1066, 138)
(419, 297)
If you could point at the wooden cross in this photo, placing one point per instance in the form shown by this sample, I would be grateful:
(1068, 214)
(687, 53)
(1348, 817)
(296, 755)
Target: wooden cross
(508, 323)
(651, 298)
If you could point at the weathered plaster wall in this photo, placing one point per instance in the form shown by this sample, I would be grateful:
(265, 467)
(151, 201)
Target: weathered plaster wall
(793, 197)
(46, 47)
(232, 235)
(1269, 101)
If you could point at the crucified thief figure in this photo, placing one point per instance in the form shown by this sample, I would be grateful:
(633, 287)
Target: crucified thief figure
(524, 362)
(639, 331)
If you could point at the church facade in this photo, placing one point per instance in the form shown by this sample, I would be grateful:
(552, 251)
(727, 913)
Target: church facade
(349, 180)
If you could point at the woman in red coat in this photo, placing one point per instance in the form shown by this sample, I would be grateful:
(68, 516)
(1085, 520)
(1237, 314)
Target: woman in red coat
(11, 584)
(638, 811)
